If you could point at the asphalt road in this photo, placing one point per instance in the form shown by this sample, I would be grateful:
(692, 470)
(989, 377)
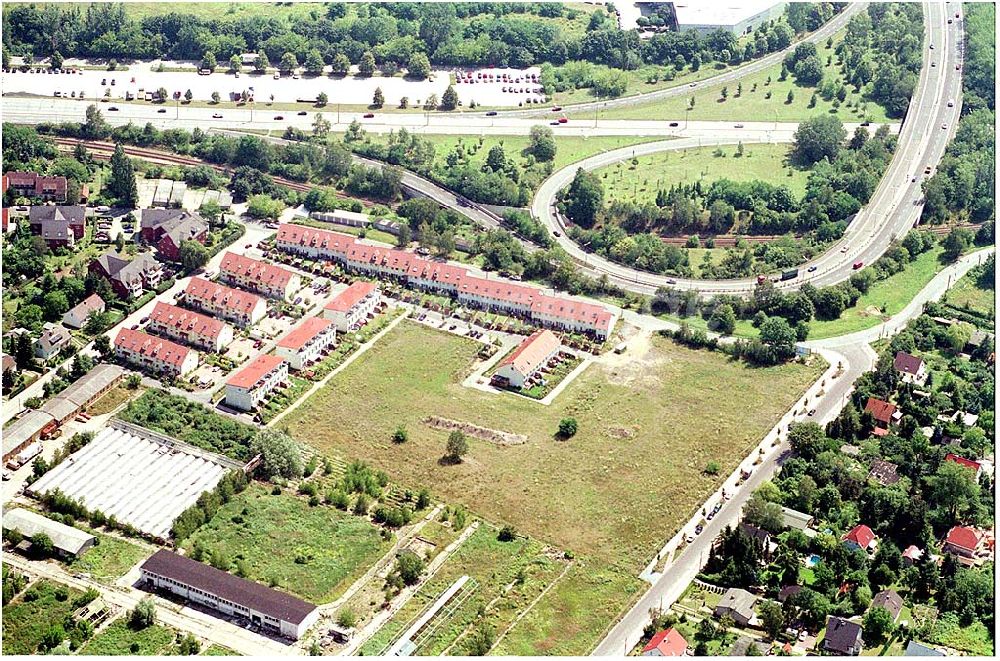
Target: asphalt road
(893, 209)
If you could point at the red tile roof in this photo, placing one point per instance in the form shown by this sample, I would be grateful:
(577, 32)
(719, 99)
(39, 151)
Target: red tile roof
(962, 461)
(883, 411)
(200, 289)
(299, 336)
(530, 354)
(904, 362)
(257, 271)
(348, 298)
(964, 537)
(186, 321)
(143, 344)
(309, 237)
(39, 182)
(861, 535)
(668, 643)
(254, 371)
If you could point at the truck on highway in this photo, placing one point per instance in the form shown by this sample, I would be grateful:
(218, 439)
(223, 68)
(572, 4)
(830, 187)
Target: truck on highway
(788, 275)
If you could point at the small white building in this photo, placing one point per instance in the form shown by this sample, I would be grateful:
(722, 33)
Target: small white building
(350, 309)
(51, 341)
(273, 611)
(246, 389)
(69, 542)
(306, 343)
(78, 315)
(739, 17)
(533, 354)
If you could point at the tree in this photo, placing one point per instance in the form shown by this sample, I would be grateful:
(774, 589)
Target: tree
(55, 60)
(210, 211)
(193, 255)
(55, 305)
(366, 67)
(567, 427)
(958, 241)
(807, 439)
(188, 95)
(809, 71)
(264, 206)
(541, 143)
(236, 64)
(456, 447)
(763, 514)
(340, 65)
(143, 615)
(321, 126)
(322, 99)
(409, 567)
(723, 319)
(189, 645)
(314, 62)
(953, 489)
(790, 97)
(449, 100)
(215, 97)
(481, 640)
(584, 198)
(94, 126)
(288, 62)
(102, 344)
(208, 61)
(121, 184)
(400, 435)
(261, 64)
(41, 545)
(819, 137)
(776, 332)
(772, 617)
(878, 626)
(418, 66)
(378, 99)
(279, 453)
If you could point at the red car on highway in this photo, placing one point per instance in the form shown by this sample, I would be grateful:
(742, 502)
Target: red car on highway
(858, 265)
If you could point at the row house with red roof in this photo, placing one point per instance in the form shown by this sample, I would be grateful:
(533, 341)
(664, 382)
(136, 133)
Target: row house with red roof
(247, 388)
(154, 354)
(306, 343)
(531, 356)
(474, 291)
(233, 305)
(252, 274)
(350, 309)
(32, 184)
(192, 328)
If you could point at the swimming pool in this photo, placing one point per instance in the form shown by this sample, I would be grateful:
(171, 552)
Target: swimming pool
(812, 560)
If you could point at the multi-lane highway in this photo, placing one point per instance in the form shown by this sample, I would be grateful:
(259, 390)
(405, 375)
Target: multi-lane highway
(893, 209)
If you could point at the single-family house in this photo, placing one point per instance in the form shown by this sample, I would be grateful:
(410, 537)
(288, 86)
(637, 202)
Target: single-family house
(77, 316)
(58, 226)
(964, 541)
(883, 472)
(842, 637)
(787, 592)
(912, 555)
(761, 539)
(737, 604)
(860, 537)
(52, 340)
(913, 648)
(528, 359)
(168, 228)
(34, 185)
(889, 600)
(911, 368)
(973, 466)
(884, 413)
(351, 308)
(305, 343)
(250, 386)
(795, 520)
(666, 643)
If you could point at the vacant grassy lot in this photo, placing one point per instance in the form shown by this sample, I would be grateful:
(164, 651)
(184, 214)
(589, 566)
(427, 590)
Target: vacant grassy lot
(884, 299)
(119, 640)
(271, 534)
(639, 179)
(966, 294)
(753, 104)
(646, 431)
(495, 568)
(27, 619)
(110, 559)
(112, 399)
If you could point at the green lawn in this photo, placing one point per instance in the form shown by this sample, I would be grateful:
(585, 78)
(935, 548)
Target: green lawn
(974, 639)
(753, 105)
(966, 294)
(638, 180)
(495, 567)
(218, 650)
(27, 619)
(269, 533)
(120, 640)
(884, 299)
(110, 559)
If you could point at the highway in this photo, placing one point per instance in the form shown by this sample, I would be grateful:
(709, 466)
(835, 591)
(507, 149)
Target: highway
(893, 209)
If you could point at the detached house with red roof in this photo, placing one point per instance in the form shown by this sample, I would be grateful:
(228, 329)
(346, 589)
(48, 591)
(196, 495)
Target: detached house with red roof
(154, 354)
(305, 343)
(250, 386)
(911, 368)
(350, 309)
(964, 541)
(531, 356)
(252, 274)
(860, 537)
(666, 643)
(190, 327)
(885, 414)
(234, 305)
(974, 466)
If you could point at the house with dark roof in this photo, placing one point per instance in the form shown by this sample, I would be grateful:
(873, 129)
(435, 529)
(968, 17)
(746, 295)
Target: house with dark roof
(666, 643)
(58, 226)
(53, 338)
(168, 228)
(883, 472)
(787, 592)
(737, 604)
(911, 368)
(860, 537)
(761, 539)
(267, 608)
(913, 648)
(889, 600)
(128, 277)
(842, 637)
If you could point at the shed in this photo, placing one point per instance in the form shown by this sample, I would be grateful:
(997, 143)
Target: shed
(68, 541)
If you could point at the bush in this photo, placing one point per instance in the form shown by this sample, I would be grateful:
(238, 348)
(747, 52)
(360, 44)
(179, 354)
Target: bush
(567, 427)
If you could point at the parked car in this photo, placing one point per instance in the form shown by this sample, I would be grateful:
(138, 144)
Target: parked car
(217, 116)
(369, 115)
(278, 118)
